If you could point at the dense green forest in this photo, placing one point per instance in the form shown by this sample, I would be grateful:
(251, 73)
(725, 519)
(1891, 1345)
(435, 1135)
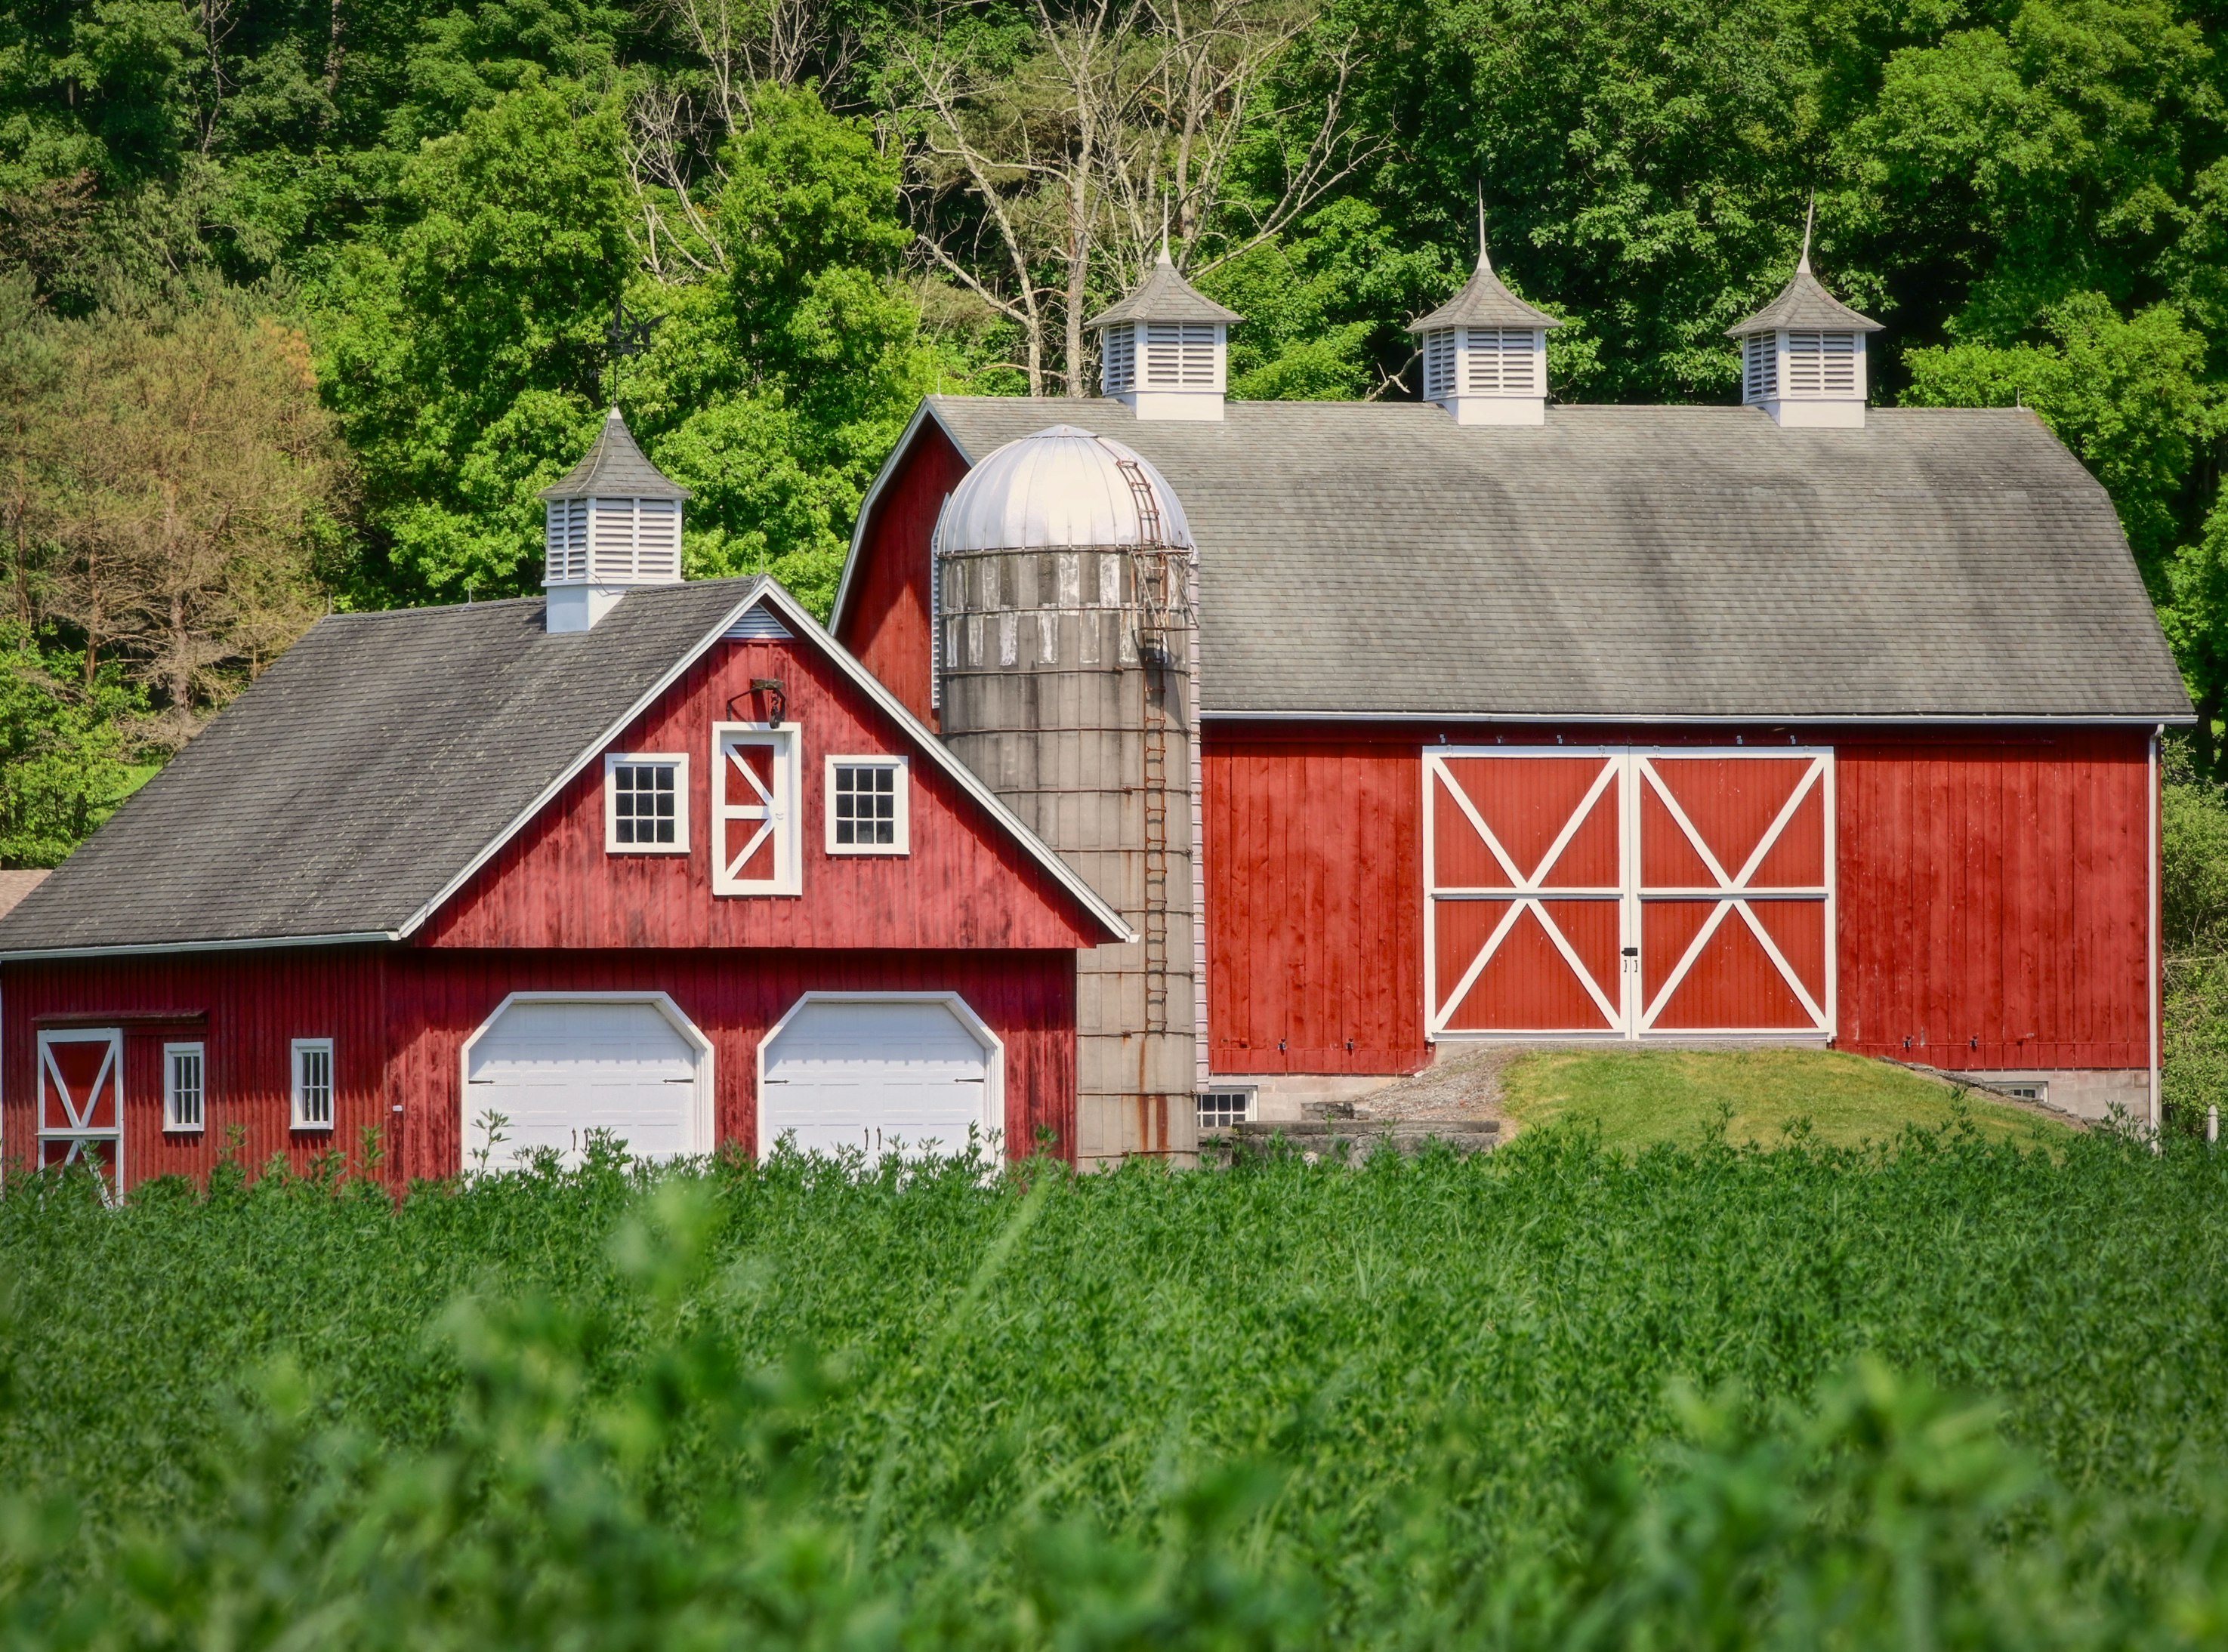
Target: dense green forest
(302, 301)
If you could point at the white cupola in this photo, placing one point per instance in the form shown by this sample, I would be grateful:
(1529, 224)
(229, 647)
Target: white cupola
(1485, 351)
(1165, 349)
(614, 523)
(1802, 355)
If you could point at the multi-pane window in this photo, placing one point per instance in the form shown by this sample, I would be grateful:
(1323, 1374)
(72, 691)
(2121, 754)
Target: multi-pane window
(182, 1086)
(313, 1084)
(645, 803)
(867, 806)
(1223, 1109)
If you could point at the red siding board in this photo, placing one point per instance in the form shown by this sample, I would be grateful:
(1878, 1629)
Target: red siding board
(399, 1018)
(1993, 891)
(966, 882)
(886, 621)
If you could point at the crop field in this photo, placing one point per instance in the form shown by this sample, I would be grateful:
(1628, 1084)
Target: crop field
(1955, 1392)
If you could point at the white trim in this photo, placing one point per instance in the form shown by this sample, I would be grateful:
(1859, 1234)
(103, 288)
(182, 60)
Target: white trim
(677, 761)
(762, 815)
(701, 1120)
(1634, 770)
(298, 1118)
(901, 792)
(172, 1123)
(994, 1052)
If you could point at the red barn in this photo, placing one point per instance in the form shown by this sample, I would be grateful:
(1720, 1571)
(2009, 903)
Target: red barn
(684, 872)
(1795, 721)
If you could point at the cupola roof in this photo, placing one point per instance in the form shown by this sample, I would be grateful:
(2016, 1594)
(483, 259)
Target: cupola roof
(1057, 488)
(1165, 296)
(1484, 301)
(614, 468)
(1804, 306)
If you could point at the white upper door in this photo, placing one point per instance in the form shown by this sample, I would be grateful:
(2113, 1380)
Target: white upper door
(557, 1069)
(882, 1076)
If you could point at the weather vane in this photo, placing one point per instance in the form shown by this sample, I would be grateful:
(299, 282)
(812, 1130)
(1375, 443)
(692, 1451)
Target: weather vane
(626, 337)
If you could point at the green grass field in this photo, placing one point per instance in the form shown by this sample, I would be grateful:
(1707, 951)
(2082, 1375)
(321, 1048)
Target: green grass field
(1960, 1394)
(1635, 1099)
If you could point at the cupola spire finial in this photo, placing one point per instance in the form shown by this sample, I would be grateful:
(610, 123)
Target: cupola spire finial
(1165, 258)
(1484, 260)
(1810, 217)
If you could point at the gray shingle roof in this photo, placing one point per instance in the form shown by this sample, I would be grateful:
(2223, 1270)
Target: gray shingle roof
(1165, 296)
(1642, 562)
(1803, 303)
(364, 772)
(1483, 302)
(614, 468)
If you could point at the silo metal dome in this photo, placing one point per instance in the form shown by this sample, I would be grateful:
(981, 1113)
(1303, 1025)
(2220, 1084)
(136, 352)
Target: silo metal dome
(1061, 488)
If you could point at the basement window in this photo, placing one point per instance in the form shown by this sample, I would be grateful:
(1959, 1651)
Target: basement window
(313, 1084)
(183, 1066)
(867, 806)
(1226, 1108)
(646, 803)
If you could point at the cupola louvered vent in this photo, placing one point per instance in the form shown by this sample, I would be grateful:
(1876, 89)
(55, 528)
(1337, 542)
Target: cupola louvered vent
(1118, 352)
(613, 524)
(1502, 361)
(1802, 355)
(1181, 355)
(1485, 351)
(1164, 349)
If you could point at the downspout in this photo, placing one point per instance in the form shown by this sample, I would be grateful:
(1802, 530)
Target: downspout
(2157, 1007)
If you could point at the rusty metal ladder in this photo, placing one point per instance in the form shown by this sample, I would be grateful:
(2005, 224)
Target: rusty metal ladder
(1152, 573)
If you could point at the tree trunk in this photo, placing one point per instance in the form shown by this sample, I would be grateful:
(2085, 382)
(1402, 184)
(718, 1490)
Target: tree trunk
(333, 52)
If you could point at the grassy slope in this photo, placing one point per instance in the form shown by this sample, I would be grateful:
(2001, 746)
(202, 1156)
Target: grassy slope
(1638, 1097)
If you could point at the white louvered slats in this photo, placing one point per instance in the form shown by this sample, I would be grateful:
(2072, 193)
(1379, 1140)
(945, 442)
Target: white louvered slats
(1438, 365)
(567, 541)
(1762, 379)
(657, 538)
(1838, 363)
(1502, 361)
(1118, 346)
(1181, 355)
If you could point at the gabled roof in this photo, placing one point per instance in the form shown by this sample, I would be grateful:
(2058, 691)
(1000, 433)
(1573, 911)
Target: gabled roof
(1378, 560)
(614, 468)
(1483, 302)
(1803, 304)
(1165, 296)
(387, 756)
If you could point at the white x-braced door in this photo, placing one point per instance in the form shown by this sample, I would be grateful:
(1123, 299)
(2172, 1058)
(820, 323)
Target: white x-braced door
(1618, 891)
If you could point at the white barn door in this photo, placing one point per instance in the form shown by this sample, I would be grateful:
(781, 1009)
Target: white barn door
(556, 1069)
(905, 1074)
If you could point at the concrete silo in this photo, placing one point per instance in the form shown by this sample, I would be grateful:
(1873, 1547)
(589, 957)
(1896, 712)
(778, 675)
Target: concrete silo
(1065, 621)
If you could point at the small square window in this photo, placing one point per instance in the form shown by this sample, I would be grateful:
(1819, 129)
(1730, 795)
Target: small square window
(313, 1084)
(182, 1086)
(646, 803)
(867, 806)
(1225, 1109)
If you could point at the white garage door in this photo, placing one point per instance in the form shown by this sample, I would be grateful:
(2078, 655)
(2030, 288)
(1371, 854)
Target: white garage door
(557, 1069)
(882, 1076)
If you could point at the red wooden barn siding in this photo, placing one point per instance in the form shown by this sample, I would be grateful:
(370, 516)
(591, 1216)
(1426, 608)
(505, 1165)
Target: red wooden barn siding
(1993, 896)
(886, 621)
(964, 883)
(399, 1018)
(246, 1009)
(439, 997)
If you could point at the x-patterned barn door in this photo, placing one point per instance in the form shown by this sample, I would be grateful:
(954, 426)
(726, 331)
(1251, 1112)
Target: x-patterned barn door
(81, 1103)
(1619, 892)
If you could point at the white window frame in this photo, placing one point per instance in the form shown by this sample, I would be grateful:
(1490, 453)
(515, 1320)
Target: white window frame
(298, 1111)
(1248, 1097)
(174, 1120)
(737, 821)
(902, 789)
(678, 763)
